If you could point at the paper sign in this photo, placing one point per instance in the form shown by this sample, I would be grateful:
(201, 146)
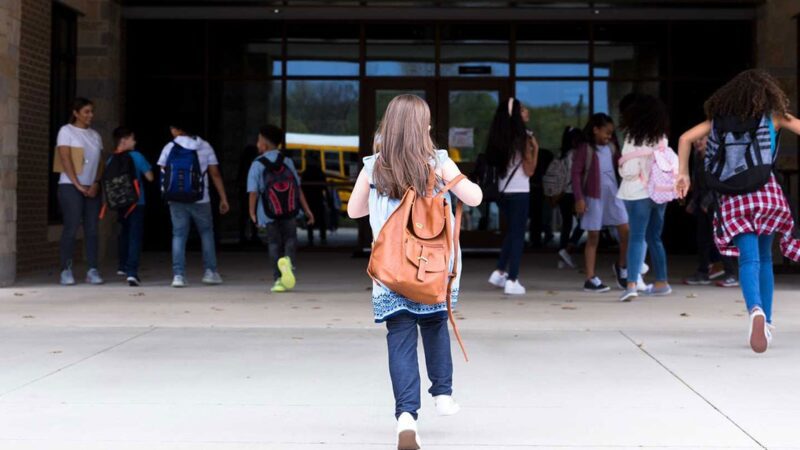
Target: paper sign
(462, 137)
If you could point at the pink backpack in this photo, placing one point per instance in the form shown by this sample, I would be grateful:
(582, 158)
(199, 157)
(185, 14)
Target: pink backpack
(663, 173)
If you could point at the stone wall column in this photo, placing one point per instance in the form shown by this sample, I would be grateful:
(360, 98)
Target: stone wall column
(10, 17)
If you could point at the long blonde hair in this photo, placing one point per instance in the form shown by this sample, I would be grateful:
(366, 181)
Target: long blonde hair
(405, 145)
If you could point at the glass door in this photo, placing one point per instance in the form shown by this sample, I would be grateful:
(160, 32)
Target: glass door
(466, 110)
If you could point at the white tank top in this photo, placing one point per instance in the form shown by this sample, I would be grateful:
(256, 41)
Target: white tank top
(519, 182)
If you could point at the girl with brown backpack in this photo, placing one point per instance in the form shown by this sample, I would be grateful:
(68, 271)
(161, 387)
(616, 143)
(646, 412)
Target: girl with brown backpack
(407, 190)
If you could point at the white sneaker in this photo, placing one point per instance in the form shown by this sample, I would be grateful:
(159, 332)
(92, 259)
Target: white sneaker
(407, 435)
(641, 286)
(566, 258)
(122, 273)
(498, 279)
(645, 268)
(211, 277)
(758, 336)
(514, 288)
(66, 278)
(178, 281)
(445, 405)
(93, 277)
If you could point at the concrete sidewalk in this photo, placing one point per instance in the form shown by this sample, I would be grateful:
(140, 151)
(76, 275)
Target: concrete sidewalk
(233, 367)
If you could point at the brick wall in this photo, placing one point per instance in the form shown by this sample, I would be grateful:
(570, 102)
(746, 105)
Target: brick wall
(9, 114)
(35, 252)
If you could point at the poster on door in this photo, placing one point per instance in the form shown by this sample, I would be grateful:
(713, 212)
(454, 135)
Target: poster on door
(462, 137)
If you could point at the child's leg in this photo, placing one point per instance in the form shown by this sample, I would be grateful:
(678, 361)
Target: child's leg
(275, 247)
(590, 253)
(624, 236)
(403, 364)
(505, 250)
(136, 233)
(766, 275)
(749, 268)
(658, 255)
(705, 242)
(123, 243)
(289, 236)
(566, 205)
(439, 361)
(639, 217)
(181, 221)
(520, 205)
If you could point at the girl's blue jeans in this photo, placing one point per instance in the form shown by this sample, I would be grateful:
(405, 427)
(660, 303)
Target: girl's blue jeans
(646, 221)
(755, 271)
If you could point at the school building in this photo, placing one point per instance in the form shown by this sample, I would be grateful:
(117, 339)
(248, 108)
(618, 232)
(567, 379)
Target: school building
(325, 69)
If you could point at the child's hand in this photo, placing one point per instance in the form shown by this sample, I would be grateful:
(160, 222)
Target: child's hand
(580, 207)
(224, 207)
(254, 217)
(682, 185)
(309, 218)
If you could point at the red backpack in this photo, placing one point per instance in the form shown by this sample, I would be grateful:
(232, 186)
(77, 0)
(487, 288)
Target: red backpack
(281, 195)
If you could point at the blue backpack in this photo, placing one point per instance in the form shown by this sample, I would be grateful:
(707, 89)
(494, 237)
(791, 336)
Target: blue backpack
(740, 154)
(183, 180)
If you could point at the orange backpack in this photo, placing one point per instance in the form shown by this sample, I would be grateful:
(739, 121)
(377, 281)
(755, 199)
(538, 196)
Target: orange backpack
(411, 255)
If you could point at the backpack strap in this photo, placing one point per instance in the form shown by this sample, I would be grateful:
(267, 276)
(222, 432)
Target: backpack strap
(452, 276)
(447, 187)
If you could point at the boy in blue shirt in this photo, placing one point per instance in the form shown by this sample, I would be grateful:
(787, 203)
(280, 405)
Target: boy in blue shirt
(131, 233)
(281, 231)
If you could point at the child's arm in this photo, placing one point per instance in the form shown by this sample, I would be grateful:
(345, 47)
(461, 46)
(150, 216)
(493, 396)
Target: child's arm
(789, 122)
(469, 192)
(306, 209)
(149, 176)
(253, 201)
(685, 151)
(216, 178)
(358, 205)
(531, 156)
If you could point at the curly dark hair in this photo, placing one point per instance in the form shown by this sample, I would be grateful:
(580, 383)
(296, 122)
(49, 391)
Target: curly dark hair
(749, 95)
(645, 121)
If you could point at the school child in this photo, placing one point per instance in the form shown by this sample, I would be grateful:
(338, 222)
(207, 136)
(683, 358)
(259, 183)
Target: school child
(594, 185)
(187, 162)
(711, 265)
(647, 167)
(558, 188)
(743, 119)
(131, 218)
(275, 200)
(408, 159)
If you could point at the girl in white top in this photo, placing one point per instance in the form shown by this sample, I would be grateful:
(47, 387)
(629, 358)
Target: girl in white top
(78, 149)
(513, 150)
(645, 123)
(406, 157)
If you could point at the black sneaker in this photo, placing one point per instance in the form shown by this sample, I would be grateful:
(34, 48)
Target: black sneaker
(698, 279)
(595, 285)
(621, 275)
(134, 281)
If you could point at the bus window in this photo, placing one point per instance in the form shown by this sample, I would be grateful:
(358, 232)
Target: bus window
(332, 162)
(297, 158)
(351, 164)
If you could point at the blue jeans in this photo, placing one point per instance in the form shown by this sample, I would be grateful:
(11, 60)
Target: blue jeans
(404, 365)
(755, 271)
(130, 241)
(182, 216)
(646, 221)
(514, 208)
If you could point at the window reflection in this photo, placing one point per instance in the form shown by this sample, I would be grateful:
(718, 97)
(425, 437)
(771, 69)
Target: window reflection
(467, 50)
(323, 51)
(400, 50)
(552, 50)
(554, 105)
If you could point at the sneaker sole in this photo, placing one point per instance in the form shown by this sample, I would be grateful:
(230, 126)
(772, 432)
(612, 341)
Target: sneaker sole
(697, 283)
(287, 277)
(597, 291)
(758, 338)
(723, 285)
(211, 282)
(178, 286)
(407, 440)
(628, 298)
(714, 276)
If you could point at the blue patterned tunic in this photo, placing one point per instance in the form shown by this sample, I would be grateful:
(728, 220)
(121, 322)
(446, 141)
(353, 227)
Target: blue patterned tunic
(385, 302)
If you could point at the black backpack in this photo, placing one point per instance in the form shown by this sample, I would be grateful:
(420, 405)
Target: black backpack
(740, 155)
(119, 183)
(281, 194)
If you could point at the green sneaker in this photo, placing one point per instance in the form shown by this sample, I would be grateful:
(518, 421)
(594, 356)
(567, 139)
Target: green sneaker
(278, 287)
(287, 277)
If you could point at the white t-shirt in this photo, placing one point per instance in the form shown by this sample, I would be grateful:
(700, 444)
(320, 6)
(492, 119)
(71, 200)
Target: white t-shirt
(89, 140)
(205, 154)
(519, 182)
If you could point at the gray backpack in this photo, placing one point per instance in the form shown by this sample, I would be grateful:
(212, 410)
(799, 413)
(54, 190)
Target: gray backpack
(740, 154)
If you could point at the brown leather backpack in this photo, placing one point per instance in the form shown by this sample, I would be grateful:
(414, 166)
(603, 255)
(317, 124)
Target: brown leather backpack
(411, 254)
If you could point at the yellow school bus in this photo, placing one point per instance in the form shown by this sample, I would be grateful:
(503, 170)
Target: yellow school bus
(337, 156)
